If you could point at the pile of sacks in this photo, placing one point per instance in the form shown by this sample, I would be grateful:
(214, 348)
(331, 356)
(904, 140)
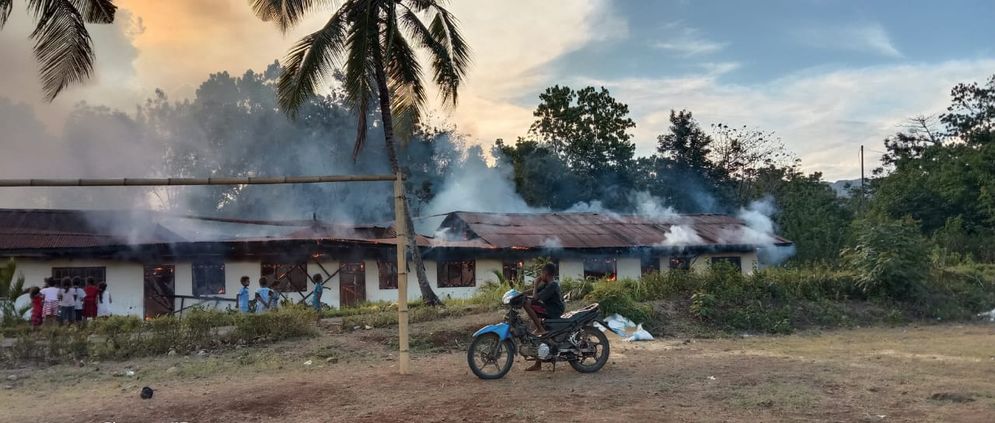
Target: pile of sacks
(627, 329)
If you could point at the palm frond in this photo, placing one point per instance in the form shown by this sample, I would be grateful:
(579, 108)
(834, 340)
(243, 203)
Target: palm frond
(407, 93)
(62, 45)
(308, 61)
(96, 11)
(362, 42)
(285, 13)
(363, 111)
(445, 73)
(448, 33)
(5, 8)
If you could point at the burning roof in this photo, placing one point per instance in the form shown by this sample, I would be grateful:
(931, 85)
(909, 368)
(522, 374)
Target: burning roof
(34, 229)
(600, 230)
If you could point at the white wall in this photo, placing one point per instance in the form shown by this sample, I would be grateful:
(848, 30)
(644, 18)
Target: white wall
(748, 261)
(125, 280)
(629, 268)
(571, 268)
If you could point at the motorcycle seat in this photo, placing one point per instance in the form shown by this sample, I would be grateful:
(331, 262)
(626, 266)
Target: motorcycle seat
(573, 316)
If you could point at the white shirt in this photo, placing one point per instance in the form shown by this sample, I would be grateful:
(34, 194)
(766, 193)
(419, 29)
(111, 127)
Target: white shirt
(68, 298)
(50, 293)
(80, 294)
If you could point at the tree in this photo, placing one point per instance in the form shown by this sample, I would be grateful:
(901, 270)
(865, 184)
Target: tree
(374, 39)
(10, 290)
(541, 177)
(62, 44)
(687, 145)
(971, 116)
(588, 131)
(684, 173)
(745, 158)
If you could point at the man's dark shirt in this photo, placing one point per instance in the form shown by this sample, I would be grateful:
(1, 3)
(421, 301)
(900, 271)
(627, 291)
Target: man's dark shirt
(549, 296)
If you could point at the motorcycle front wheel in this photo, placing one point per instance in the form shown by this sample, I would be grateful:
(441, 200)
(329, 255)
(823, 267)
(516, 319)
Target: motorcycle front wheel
(489, 357)
(594, 350)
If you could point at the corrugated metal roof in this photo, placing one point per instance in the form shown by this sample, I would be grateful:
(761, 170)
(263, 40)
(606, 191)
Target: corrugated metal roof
(41, 228)
(600, 230)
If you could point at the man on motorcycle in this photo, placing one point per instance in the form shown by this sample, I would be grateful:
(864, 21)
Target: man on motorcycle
(546, 302)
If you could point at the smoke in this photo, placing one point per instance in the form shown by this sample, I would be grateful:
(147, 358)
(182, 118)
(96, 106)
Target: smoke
(552, 243)
(759, 231)
(475, 186)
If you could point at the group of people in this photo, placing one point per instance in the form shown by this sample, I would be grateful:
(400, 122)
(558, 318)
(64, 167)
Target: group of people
(68, 301)
(266, 298)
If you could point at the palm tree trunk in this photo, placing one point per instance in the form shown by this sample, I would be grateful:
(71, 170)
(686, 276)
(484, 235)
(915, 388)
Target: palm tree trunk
(428, 296)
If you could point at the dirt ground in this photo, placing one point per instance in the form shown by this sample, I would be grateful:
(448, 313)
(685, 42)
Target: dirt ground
(937, 373)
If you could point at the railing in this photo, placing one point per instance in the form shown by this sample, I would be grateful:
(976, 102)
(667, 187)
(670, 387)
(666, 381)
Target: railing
(198, 301)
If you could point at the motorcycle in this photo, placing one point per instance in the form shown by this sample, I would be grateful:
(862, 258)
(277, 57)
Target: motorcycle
(571, 338)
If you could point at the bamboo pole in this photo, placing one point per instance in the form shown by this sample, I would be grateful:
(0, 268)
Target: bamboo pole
(145, 182)
(402, 275)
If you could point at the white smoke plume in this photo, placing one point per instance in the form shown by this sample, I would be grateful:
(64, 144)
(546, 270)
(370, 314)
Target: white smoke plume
(759, 231)
(681, 236)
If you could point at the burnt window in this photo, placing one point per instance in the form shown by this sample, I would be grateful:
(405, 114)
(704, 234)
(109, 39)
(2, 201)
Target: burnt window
(600, 268)
(388, 274)
(208, 278)
(512, 270)
(455, 274)
(728, 261)
(98, 274)
(649, 264)
(680, 263)
(286, 277)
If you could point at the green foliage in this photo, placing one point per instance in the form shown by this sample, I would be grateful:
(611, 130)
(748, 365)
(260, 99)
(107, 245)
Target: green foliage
(890, 258)
(121, 337)
(618, 297)
(10, 290)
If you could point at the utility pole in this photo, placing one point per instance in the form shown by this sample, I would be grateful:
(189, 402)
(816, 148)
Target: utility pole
(862, 191)
(401, 228)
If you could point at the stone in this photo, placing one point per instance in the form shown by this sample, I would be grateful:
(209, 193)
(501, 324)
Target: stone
(171, 352)
(172, 370)
(12, 378)
(202, 353)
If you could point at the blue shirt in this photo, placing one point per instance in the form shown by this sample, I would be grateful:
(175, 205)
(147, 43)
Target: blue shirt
(243, 299)
(264, 294)
(316, 298)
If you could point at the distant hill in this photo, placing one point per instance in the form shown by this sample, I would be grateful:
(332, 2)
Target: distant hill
(843, 186)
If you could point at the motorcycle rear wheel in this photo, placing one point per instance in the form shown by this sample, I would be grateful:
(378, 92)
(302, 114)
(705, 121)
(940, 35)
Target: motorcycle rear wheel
(489, 357)
(595, 339)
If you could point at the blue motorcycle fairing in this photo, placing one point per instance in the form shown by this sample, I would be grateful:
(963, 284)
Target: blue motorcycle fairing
(501, 329)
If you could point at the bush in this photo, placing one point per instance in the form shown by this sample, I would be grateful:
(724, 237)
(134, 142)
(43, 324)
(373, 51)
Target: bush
(120, 337)
(890, 258)
(617, 297)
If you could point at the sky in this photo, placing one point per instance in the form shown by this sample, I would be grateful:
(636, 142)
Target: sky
(826, 76)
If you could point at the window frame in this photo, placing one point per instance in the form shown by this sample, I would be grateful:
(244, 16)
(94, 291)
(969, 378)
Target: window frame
(736, 261)
(82, 272)
(444, 279)
(286, 284)
(611, 262)
(679, 263)
(201, 290)
(513, 270)
(390, 281)
(649, 265)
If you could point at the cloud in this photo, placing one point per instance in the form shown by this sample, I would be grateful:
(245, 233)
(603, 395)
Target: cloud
(823, 115)
(862, 38)
(685, 41)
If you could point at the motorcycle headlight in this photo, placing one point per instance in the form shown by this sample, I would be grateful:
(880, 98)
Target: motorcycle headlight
(510, 295)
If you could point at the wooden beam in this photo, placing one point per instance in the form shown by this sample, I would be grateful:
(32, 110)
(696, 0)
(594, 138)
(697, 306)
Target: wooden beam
(146, 182)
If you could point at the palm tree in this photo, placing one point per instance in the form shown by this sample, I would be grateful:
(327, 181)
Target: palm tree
(62, 44)
(375, 42)
(10, 290)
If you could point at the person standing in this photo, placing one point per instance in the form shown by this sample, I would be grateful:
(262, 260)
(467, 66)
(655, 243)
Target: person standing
(37, 306)
(50, 300)
(90, 294)
(319, 286)
(67, 302)
(79, 295)
(243, 295)
(264, 296)
(104, 300)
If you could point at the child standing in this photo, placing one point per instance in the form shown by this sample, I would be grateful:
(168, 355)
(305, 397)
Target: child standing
(90, 294)
(243, 295)
(104, 300)
(319, 286)
(67, 302)
(264, 296)
(50, 300)
(78, 294)
(37, 306)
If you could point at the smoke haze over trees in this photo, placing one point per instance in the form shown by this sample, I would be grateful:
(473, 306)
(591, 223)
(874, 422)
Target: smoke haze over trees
(937, 175)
